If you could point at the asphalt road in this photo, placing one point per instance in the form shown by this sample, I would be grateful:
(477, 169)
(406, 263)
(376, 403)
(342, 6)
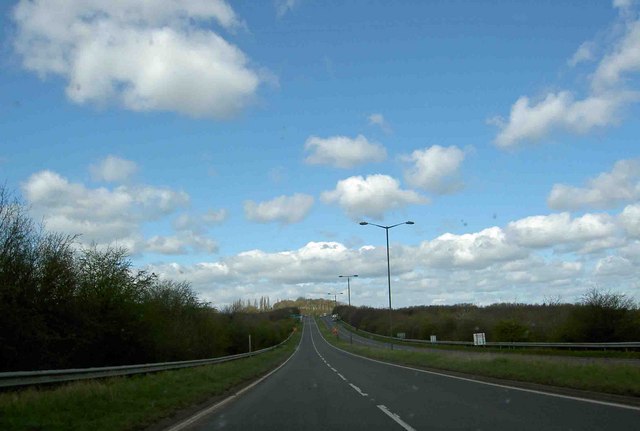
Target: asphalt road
(323, 388)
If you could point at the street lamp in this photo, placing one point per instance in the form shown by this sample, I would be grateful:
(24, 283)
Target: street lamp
(386, 228)
(335, 298)
(348, 277)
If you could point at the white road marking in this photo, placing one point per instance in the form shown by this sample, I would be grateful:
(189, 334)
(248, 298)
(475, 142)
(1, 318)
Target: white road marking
(498, 385)
(358, 390)
(396, 418)
(342, 377)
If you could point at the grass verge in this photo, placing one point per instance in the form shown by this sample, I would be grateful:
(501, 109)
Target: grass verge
(617, 379)
(512, 351)
(130, 403)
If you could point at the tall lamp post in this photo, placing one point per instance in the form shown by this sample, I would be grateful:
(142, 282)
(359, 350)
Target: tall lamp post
(348, 277)
(386, 228)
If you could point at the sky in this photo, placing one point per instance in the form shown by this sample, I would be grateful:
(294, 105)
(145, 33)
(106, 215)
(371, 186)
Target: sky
(236, 145)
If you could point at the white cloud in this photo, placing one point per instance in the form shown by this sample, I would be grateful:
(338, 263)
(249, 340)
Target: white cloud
(584, 53)
(100, 215)
(630, 220)
(535, 270)
(606, 190)
(379, 120)
(113, 169)
(435, 169)
(147, 56)
(558, 111)
(215, 216)
(492, 265)
(342, 151)
(181, 243)
(474, 250)
(624, 58)
(197, 223)
(560, 229)
(283, 209)
(371, 196)
(623, 4)
(563, 111)
(284, 6)
(614, 265)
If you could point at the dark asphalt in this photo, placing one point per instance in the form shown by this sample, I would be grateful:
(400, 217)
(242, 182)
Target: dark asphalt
(322, 388)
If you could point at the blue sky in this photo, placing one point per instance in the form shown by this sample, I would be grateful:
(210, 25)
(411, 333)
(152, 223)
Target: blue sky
(237, 144)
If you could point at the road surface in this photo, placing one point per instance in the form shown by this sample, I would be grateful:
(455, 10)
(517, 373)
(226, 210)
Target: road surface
(323, 388)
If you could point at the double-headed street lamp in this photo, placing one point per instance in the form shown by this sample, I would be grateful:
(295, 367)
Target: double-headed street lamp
(335, 297)
(386, 228)
(348, 277)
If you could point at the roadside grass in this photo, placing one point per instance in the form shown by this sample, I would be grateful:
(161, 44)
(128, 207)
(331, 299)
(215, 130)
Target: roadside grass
(508, 350)
(130, 403)
(618, 379)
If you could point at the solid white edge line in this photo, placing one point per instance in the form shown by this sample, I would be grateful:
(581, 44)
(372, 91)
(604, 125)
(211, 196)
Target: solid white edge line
(396, 418)
(466, 379)
(191, 420)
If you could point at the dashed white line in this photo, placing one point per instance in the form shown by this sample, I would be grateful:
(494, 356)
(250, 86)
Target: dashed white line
(342, 377)
(396, 418)
(358, 390)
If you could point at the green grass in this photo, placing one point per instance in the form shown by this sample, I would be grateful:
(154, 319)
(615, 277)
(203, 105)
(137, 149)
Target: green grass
(619, 379)
(130, 403)
(515, 351)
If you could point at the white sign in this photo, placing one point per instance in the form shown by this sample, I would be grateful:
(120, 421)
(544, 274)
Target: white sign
(433, 339)
(479, 339)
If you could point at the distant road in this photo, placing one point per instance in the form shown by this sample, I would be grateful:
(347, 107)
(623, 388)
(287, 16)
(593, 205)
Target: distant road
(323, 388)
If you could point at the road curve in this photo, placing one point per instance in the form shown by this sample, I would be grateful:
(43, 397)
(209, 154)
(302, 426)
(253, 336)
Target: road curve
(323, 388)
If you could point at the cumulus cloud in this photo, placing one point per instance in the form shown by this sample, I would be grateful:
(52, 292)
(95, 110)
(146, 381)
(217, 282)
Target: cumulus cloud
(342, 151)
(99, 215)
(198, 223)
(606, 190)
(623, 59)
(560, 229)
(614, 265)
(473, 250)
(494, 264)
(283, 209)
(113, 169)
(630, 220)
(147, 56)
(435, 169)
(181, 243)
(531, 121)
(371, 197)
(215, 216)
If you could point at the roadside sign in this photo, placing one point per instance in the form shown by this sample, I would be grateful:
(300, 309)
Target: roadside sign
(479, 339)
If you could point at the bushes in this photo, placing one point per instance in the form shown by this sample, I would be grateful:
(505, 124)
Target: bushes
(598, 317)
(602, 317)
(63, 307)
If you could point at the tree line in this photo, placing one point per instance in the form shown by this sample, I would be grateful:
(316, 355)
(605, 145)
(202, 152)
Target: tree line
(63, 306)
(597, 317)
